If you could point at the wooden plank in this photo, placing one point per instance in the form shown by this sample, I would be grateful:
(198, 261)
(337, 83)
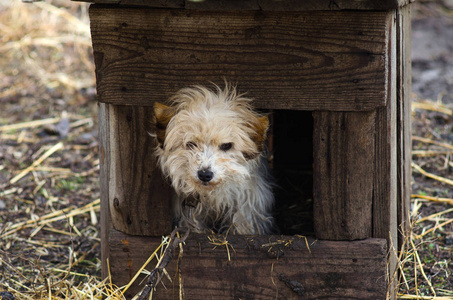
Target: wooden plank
(104, 163)
(139, 198)
(264, 5)
(385, 204)
(219, 5)
(297, 5)
(385, 187)
(404, 118)
(307, 61)
(343, 149)
(332, 270)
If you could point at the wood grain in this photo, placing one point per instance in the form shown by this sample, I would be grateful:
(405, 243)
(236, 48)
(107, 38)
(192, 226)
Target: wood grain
(297, 5)
(139, 197)
(404, 118)
(332, 270)
(385, 179)
(104, 164)
(385, 194)
(265, 5)
(306, 61)
(343, 149)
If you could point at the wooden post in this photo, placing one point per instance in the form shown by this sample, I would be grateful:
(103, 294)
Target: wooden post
(404, 126)
(139, 197)
(104, 163)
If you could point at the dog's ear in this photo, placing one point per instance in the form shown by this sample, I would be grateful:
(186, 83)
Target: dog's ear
(260, 127)
(162, 116)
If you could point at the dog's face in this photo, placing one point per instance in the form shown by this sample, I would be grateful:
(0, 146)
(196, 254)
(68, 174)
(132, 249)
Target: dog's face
(208, 140)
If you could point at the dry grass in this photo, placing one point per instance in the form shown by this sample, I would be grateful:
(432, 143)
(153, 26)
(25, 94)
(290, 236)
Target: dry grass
(49, 207)
(425, 264)
(43, 40)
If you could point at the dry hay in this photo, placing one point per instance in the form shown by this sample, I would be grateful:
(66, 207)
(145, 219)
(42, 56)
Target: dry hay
(49, 206)
(425, 261)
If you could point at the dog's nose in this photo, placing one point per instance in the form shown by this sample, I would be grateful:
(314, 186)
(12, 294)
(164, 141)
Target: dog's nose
(205, 175)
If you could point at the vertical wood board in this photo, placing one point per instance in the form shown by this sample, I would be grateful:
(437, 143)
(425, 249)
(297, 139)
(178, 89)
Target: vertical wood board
(305, 60)
(385, 193)
(343, 147)
(404, 118)
(139, 197)
(104, 164)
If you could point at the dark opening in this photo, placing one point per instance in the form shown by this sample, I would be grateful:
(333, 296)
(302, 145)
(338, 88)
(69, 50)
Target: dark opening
(292, 164)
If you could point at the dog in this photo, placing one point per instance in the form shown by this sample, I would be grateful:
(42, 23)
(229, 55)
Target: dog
(211, 145)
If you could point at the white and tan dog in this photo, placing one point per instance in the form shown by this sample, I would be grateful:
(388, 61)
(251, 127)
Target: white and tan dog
(210, 145)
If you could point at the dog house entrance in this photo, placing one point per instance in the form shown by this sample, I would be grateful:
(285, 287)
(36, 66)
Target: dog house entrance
(291, 143)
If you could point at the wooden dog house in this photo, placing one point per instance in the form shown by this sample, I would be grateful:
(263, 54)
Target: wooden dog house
(346, 61)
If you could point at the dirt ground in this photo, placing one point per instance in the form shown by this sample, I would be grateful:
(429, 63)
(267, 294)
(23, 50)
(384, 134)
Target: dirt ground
(49, 166)
(432, 51)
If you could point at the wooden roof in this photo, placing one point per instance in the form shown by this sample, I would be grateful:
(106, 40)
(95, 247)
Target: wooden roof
(264, 5)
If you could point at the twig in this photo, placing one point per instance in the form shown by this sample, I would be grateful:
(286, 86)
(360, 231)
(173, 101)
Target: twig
(434, 215)
(52, 217)
(421, 268)
(37, 162)
(431, 175)
(29, 124)
(150, 258)
(419, 297)
(433, 229)
(221, 241)
(433, 107)
(156, 274)
(306, 242)
(430, 141)
(425, 153)
(434, 199)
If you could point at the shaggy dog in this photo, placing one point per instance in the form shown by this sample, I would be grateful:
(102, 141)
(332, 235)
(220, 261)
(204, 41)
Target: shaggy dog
(210, 146)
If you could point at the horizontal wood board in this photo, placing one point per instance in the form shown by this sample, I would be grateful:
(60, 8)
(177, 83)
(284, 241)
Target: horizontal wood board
(308, 60)
(264, 5)
(329, 270)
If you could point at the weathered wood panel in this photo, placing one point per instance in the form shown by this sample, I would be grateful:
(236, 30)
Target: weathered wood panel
(404, 117)
(343, 149)
(264, 5)
(139, 197)
(385, 202)
(293, 5)
(104, 164)
(308, 61)
(332, 270)
(297, 5)
(220, 5)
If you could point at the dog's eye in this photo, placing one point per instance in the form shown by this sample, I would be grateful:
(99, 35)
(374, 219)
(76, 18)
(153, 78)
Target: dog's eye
(226, 146)
(191, 145)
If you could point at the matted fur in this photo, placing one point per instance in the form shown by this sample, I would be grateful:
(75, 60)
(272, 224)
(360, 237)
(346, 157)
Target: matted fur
(215, 131)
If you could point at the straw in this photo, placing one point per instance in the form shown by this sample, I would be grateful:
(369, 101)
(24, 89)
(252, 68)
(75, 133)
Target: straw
(431, 175)
(48, 153)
